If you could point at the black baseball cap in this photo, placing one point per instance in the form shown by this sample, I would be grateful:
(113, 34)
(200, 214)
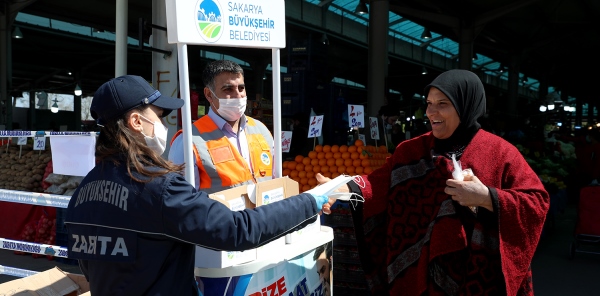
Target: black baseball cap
(124, 93)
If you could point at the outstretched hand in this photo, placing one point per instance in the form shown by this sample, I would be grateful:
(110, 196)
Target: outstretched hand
(322, 180)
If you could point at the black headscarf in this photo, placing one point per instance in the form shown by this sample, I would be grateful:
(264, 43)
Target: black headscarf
(466, 92)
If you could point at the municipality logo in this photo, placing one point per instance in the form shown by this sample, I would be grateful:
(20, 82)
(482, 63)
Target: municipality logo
(210, 20)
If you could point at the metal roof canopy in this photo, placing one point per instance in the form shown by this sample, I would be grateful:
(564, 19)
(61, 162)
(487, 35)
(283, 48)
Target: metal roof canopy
(552, 39)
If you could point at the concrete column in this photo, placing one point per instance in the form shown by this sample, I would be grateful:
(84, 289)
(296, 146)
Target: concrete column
(121, 38)
(164, 67)
(378, 34)
(465, 48)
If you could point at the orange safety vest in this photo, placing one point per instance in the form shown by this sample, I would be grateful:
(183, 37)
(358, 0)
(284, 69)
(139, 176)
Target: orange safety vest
(221, 165)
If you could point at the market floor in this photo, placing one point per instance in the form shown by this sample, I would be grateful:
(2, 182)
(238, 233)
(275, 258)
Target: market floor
(554, 274)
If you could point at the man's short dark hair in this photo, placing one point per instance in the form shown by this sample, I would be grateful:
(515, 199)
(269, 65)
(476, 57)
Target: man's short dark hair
(217, 67)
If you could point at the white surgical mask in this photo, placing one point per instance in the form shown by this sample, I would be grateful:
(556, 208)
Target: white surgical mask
(158, 143)
(231, 109)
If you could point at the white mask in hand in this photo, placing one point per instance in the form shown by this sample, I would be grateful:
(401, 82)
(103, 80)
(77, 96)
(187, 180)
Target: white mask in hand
(231, 109)
(158, 143)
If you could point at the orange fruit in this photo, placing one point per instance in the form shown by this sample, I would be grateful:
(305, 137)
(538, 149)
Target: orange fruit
(359, 142)
(334, 175)
(382, 149)
(310, 174)
(333, 169)
(286, 172)
(331, 161)
(316, 169)
(294, 174)
(365, 163)
(291, 165)
(326, 148)
(356, 162)
(324, 169)
(352, 149)
(328, 174)
(300, 167)
(322, 162)
(308, 168)
(301, 174)
(339, 161)
(299, 158)
(314, 161)
(348, 162)
(312, 154)
(312, 182)
(306, 160)
(318, 148)
(303, 181)
(343, 148)
(329, 155)
(358, 170)
(367, 170)
(341, 169)
(355, 155)
(350, 170)
(321, 155)
(345, 155)
(335, 148)
(337, 155)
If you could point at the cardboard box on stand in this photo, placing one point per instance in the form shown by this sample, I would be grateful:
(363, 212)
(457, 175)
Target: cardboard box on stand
(50, 282)
(247, 197)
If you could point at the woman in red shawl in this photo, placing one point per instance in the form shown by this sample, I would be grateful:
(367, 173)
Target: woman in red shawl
(422, 233)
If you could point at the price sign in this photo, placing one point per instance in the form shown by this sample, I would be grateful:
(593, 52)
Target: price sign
(362, 138)
(356, 115)
(22, 141)
(39, 143)
(286, 141)
(374, 128)
(316, 125)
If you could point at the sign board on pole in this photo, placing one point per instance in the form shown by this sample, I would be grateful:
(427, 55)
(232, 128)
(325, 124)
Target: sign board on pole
(241, 23)
(286, 141)
(356, 115)
(315, 127)
(374, 128)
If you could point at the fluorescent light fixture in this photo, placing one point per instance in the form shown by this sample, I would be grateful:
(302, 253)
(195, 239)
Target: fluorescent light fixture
(543, 108)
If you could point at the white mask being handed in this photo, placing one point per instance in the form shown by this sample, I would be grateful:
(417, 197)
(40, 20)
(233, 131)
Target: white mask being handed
(158, 143)
(231, 109)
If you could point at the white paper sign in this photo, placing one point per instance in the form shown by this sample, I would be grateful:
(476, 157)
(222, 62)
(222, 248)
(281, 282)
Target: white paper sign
(362, 138)
(22, 141)
(315, 126)
(73, 155)
(286, 141)
(374, 128)
(39, 143)
(356, 115)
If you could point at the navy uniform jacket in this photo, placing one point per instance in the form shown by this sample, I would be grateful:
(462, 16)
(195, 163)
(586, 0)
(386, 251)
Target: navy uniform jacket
(135, 238)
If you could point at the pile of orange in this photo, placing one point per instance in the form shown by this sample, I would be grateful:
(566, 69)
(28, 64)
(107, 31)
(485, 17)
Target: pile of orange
(334, 160)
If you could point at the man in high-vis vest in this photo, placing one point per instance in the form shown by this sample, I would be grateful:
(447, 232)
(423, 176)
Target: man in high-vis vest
(230, 148)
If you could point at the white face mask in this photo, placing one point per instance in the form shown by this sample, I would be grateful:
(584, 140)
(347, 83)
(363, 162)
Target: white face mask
(158, 143)
(231, 109)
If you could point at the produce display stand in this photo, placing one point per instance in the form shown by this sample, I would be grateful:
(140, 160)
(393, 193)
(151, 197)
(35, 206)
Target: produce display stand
(34, 198)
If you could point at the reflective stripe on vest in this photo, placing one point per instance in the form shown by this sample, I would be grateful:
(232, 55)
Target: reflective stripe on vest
(221, 165)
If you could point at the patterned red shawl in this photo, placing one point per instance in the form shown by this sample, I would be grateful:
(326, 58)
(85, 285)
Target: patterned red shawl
(415, 240)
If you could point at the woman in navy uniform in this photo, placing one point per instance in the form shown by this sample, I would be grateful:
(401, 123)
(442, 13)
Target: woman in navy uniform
(134, 221)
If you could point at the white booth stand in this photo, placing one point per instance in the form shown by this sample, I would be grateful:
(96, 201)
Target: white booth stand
(290, 268)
